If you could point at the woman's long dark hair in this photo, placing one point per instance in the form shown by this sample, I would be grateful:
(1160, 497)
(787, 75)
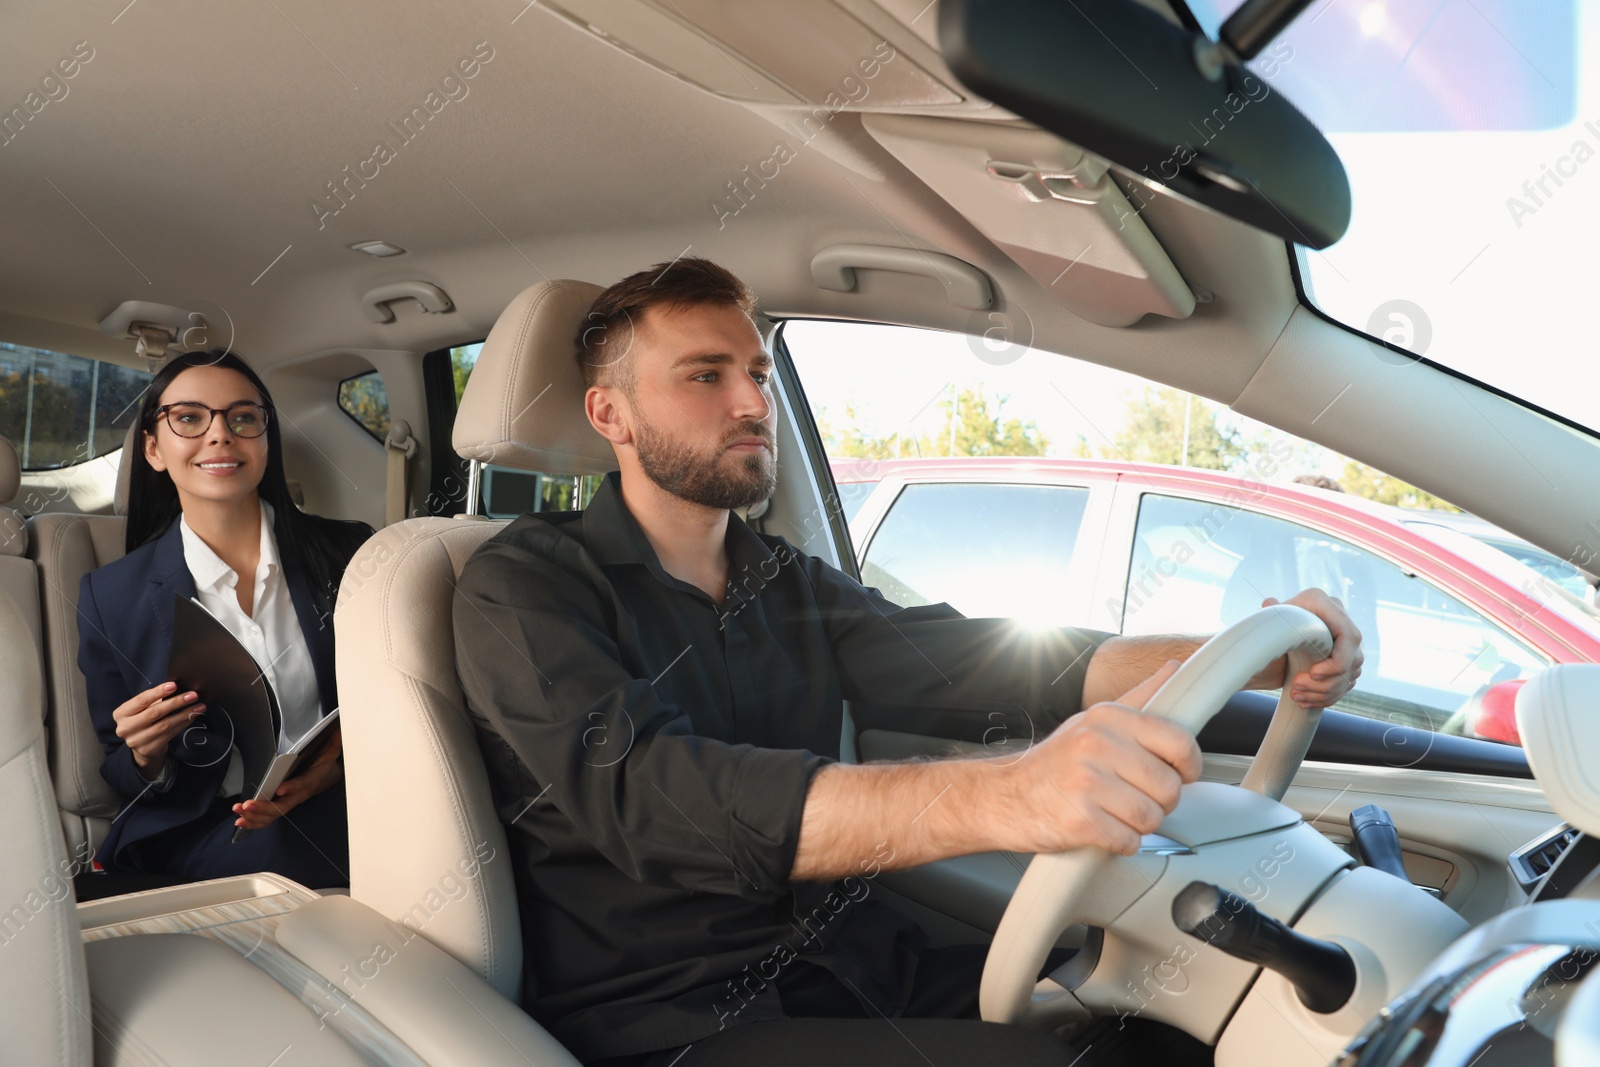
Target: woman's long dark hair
(153, 503)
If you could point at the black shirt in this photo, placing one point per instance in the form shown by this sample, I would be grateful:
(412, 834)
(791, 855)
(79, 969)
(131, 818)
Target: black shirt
(650, 751)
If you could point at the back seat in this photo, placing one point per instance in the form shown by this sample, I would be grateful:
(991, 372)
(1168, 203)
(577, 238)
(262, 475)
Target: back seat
(255, 965)
(42, 560)
(66, 547)
(19, 581)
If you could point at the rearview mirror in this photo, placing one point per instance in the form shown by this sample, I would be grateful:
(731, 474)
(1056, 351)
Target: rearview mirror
(1165, 105)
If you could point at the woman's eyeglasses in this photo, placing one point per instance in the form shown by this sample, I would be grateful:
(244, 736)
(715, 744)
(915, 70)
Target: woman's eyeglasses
(243, 419)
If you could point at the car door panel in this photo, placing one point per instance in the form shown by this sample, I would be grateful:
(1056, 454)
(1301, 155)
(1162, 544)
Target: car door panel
(1456, 831)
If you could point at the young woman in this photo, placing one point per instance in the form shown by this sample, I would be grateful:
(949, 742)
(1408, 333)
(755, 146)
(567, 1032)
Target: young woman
(209, 517)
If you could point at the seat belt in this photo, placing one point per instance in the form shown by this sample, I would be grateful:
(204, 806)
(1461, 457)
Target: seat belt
(401, 446)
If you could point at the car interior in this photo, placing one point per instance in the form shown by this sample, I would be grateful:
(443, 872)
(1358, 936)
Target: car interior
(348, 194)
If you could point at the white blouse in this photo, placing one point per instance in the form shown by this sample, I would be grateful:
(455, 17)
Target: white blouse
(271, 632)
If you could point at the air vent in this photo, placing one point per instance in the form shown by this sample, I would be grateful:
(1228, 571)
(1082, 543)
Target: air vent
(1541, 861)
(1533, 861)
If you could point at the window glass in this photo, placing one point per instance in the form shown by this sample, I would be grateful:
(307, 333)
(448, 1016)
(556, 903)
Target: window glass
(365, 400)
(58, 409)
(891, 399)
(463, 358)
(1198, 566)
(1476, 269)
(508, 492)
(898, 406)
(989, 551)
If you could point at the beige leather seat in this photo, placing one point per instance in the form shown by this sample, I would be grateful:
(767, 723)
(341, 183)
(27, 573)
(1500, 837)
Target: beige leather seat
(44, 992)
(236, 970)
(420, 809)
(65, 546)
(41, 561)
(255, 966)
(43, 983)
(19, 581)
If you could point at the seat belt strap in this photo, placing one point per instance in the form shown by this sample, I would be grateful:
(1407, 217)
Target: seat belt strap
(401, 446)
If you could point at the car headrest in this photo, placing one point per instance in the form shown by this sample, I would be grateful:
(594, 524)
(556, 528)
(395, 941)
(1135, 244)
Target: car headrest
(10, 472)
(1561, 737)
(523, 405)
(119, 497)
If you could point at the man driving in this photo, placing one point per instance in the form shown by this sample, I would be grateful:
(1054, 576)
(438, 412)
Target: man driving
(658, 694)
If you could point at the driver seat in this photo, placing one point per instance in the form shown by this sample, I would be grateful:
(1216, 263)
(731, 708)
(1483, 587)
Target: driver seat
(427, 845)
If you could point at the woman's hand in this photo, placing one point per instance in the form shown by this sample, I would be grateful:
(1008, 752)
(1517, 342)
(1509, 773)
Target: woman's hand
(148, 721)
(320, 775)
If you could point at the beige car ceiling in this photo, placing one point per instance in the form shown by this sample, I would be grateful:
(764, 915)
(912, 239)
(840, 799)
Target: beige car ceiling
(191, 160)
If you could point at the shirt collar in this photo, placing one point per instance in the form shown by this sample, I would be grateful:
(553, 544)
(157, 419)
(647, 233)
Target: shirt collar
(614, 538)
(208, 569)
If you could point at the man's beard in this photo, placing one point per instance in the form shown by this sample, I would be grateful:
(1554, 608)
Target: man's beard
(706, 477)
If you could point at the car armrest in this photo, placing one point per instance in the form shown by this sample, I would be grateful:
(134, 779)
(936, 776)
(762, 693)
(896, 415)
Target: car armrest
(179, 1000)
(444, 1013)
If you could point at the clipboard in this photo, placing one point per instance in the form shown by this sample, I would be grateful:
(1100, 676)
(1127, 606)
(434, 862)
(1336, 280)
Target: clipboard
(208, 659)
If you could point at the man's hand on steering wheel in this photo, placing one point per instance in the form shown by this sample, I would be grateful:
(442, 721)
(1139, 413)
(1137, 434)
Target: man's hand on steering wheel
(1325, 682)
(1106, 777)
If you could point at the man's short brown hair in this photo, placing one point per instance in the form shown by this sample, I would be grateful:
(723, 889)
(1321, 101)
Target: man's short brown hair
(607, 333)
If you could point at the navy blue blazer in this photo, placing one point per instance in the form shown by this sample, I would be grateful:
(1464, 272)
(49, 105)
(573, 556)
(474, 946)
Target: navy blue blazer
(124, 643)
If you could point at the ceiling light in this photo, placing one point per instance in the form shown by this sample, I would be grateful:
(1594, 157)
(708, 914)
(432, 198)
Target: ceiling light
(379, 249)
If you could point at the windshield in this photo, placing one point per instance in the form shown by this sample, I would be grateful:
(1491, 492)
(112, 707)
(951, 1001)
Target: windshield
(1471, 135)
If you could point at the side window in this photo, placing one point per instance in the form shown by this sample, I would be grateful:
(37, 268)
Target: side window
(1199, 566)
(988, 550)
(59, 409)
(365, 400)
(506, 492)
(462, 359)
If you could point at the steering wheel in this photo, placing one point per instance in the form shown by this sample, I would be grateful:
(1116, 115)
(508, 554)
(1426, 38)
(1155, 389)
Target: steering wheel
(1201, 837)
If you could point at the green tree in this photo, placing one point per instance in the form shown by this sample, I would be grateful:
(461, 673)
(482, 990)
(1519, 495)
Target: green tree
(848, 441)
(462, 360)
(1154, 432)
(1370, 482)
(971, 428)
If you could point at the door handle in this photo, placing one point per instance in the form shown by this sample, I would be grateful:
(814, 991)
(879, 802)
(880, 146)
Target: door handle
(375, 302)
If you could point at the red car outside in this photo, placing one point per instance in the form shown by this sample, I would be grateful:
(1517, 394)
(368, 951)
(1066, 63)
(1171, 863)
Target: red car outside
(1449, 622)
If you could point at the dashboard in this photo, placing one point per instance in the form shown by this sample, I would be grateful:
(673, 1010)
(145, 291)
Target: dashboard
(1516, 991)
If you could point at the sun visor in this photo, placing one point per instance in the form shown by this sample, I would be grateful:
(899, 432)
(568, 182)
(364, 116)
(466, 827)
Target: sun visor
(1048, 205)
